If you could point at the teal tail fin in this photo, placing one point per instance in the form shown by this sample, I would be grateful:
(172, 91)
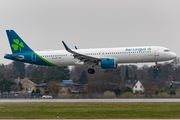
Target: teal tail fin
(16, 43)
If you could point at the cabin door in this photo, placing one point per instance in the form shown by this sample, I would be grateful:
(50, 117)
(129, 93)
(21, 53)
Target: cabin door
(156, 51)
(33, 56)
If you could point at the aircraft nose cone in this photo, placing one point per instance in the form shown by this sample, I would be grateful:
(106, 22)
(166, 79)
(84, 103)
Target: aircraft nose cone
(173, 55)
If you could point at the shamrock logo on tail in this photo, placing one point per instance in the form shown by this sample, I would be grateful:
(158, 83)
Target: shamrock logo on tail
(17, 45)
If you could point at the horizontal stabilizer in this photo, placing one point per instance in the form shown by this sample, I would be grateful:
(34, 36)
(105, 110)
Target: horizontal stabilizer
(19, 57)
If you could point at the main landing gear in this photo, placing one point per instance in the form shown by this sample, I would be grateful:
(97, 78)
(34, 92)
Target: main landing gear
(91, 71)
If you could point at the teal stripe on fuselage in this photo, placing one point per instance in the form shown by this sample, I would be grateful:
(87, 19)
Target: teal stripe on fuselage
(44, 61)
(29, 58)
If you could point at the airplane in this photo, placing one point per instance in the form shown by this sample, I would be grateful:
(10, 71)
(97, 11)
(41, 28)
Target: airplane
(102, 57)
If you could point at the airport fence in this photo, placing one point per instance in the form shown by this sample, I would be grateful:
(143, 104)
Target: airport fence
(79, 96)
(19, 95)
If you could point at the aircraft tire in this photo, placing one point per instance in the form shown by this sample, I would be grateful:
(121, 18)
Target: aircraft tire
(91, 71)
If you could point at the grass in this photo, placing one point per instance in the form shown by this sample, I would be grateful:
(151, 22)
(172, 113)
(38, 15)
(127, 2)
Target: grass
(89, 110)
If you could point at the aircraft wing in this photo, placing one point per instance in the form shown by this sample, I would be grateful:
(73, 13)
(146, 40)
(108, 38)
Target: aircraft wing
(88, 60)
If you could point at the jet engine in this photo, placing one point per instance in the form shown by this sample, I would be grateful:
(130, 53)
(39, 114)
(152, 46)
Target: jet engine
(108, 63)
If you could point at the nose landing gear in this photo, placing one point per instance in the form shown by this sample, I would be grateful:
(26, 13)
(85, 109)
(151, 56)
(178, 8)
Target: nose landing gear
(157, 67)
(157, 70)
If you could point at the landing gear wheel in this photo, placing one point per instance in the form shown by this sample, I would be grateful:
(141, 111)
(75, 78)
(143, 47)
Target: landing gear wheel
(91, 71)
(157, 67)
(157, 70)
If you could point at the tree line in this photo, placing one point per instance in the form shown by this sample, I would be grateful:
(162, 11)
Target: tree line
(100, 82)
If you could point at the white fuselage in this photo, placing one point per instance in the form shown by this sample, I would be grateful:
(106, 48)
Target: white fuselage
(122, 55)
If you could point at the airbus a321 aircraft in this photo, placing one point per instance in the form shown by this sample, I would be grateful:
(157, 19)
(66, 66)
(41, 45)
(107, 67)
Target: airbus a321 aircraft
(101, 57)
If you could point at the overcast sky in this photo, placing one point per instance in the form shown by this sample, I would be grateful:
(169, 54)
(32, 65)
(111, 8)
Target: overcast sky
(43, 24)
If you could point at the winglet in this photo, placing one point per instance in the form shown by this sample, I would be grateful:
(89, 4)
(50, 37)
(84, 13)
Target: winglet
(75, 47)
(66, 47)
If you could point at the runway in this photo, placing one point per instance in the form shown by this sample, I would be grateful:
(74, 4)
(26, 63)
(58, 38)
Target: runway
(93, 119)
(90, 100)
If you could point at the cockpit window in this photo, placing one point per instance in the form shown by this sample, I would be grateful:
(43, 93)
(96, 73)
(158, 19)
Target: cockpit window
(166, 50)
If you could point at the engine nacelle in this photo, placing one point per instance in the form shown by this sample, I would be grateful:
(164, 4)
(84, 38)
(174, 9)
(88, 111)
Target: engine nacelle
(108, 63)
